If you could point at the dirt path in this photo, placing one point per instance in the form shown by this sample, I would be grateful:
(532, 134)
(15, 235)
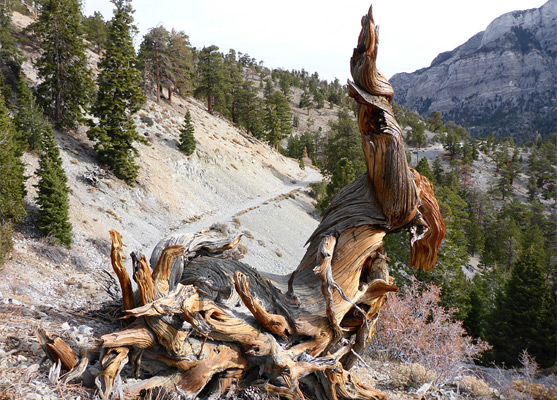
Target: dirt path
(226, 215)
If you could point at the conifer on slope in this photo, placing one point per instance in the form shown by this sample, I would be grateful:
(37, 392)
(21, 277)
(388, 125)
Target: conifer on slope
(53, 218)
(187, 139)
(118, 98)
(66, 86)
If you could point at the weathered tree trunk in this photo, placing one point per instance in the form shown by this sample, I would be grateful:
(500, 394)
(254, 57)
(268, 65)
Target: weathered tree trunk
(296, 336)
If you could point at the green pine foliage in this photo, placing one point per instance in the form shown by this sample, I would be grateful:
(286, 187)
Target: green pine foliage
(344, 141)
(28, 119)
(343, 174)
(12, 189)
(118, 98)
(155, 59)
(424, 169)
(95, 30)
(277, 118)
(210, 83)
(53, 219)
(524, 315)
(8, 51)
(66, 84)
(187, 139)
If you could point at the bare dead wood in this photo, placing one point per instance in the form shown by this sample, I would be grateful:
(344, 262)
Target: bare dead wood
(116, 257)
(57, 350)
(163, 269)
(219, 323)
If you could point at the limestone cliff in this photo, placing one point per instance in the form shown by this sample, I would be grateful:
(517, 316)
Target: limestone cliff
(502, 80)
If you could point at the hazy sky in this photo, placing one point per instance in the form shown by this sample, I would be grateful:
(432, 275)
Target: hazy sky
(319, 36)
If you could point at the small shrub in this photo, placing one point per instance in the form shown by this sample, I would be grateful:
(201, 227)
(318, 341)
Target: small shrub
(535, 391)
(410, 376)
(248, 234)
(414, 328)
(477, 388)
(529, 366)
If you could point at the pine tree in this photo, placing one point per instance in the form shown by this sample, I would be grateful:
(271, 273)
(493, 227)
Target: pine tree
(524, 316)
(435, 121)
(12, 189)
(154, 54)
(187, 139)
(28, 119)
(277, 118)
(211, 76)
(66, 84)
(249, 110)
(7, 49)
(94, 27)
(342, 175)
(423, 169)
(181, 56)
(345, 141)
(53, 217)
(118, 98)
(234, 82)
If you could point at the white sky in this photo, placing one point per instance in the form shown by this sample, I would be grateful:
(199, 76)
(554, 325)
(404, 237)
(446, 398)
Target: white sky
(319, 35)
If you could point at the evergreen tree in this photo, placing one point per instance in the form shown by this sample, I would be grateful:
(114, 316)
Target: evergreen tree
(524, 316)
(7, 49)
(53, 217)
(154, 54)
(277, 118)
(345, 141)
(234, 88)
(423, 169)
(435, 121)
(211, 76)
(187, 139)
(342, 175)
(249, 109)
(181, 57)
(453, 255)
(542, 168)
(118, 98)
(12, 189)
(28, 119)
(305, 100)
(66, 85)
(95, 30)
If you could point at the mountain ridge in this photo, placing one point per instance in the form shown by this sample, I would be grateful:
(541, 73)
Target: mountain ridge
(503, 74)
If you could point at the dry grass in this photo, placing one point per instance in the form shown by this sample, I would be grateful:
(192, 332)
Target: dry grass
(535, 391)
(476, 388)
(410, 376)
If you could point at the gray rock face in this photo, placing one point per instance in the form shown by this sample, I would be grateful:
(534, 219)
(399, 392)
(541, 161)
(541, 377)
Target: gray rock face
(502, 80)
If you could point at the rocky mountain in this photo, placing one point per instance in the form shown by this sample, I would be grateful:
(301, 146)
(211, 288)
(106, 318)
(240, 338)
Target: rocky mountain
(502, 80)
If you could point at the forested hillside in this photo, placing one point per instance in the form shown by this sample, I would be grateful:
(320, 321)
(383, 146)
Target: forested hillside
(85, 117)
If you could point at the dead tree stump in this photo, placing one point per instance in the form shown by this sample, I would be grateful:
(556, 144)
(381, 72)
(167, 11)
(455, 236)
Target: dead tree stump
(221, 325)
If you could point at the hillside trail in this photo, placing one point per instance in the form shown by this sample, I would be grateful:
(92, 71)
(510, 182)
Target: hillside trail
(313, 176)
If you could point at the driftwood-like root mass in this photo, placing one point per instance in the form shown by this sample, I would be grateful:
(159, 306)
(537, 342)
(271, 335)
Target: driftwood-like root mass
(218, 325)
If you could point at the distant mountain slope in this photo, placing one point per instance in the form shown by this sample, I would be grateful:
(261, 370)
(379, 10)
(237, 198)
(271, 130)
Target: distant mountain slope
(502, 80)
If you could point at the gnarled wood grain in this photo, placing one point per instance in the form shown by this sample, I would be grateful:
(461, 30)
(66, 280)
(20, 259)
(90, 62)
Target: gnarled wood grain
(219, 323)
